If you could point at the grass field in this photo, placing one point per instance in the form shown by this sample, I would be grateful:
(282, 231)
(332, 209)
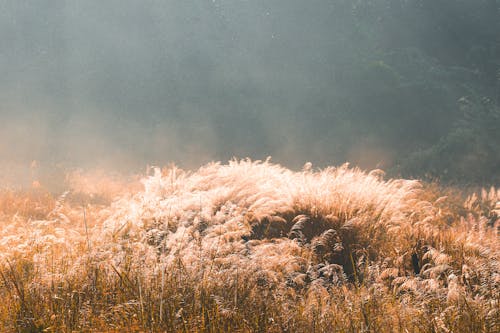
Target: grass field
(249, 247)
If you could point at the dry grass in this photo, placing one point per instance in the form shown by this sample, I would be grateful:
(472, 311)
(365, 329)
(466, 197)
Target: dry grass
(249, 247)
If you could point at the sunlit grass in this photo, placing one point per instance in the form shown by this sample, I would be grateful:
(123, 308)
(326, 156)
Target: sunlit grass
(249, 246)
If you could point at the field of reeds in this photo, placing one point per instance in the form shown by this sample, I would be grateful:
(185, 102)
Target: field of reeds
(249, 247)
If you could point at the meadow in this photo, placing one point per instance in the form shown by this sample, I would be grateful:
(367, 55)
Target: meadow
(249, 246)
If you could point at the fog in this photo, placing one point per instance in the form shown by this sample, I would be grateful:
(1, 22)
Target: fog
(125, 84)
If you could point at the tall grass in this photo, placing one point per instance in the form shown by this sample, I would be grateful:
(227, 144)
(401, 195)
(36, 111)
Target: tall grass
(250, 247)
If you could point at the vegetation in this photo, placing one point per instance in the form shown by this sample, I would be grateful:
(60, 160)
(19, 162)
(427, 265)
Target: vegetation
(250, 247)
(412, 86)
(421, 79)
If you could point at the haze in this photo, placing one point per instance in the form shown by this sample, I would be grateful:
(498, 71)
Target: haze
(123, 84)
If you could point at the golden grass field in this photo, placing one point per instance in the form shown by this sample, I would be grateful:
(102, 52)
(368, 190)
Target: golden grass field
(249, 247)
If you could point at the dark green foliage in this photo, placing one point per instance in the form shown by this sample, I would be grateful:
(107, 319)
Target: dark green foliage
(422, 83)
(469, 153)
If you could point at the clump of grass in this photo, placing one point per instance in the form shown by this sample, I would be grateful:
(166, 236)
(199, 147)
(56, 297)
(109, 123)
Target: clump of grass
(250, 247)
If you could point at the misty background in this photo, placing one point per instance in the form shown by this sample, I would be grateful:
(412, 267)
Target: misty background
(410, 86)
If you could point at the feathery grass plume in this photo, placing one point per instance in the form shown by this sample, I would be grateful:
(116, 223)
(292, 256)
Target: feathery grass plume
(249, 246)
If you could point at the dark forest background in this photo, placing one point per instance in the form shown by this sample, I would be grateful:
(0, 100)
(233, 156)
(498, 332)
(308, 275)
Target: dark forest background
(410, 86)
